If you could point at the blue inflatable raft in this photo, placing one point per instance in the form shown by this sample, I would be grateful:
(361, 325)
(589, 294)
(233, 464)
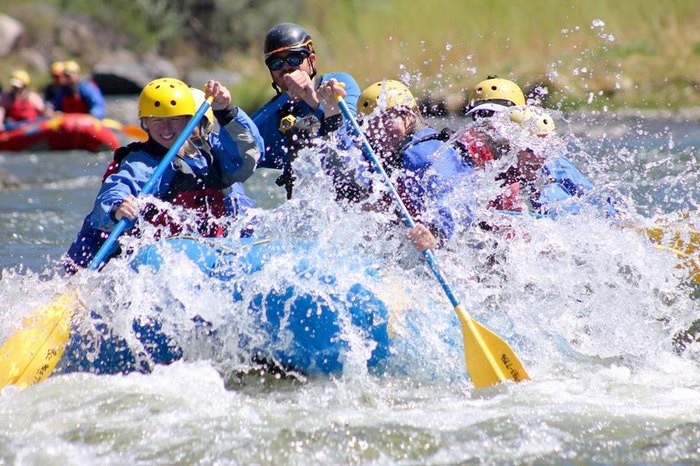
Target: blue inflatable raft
(303, 331)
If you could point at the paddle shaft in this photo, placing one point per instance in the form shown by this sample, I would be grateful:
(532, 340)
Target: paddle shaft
(147, 189)
(405, 215)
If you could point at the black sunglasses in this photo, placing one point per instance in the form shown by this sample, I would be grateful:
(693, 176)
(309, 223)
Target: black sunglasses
(275, 62)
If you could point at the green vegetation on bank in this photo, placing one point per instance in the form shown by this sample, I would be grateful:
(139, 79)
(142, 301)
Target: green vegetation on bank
(594, 53)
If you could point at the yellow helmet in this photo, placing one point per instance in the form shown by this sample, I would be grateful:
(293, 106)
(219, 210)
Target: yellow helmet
(384, 95)
(199, 97)
(57, 68)
(20, 78)
(493, 93)
(535, 119)
(166, 97)
(71, 67)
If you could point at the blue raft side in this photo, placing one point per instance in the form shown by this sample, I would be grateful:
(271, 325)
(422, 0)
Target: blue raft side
(318, 342)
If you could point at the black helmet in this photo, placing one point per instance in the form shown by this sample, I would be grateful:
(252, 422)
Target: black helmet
(288, 37)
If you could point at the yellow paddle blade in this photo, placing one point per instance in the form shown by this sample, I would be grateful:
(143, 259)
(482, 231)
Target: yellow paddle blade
(490, 360)
(133, 131)
(30, 354)
(687, 263)
(685, 240)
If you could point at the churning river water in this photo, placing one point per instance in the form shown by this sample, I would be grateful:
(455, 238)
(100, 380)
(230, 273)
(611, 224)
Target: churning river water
(590, 308)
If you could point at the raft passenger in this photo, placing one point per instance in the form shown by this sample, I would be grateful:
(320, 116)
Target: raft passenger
(205, 177)
(425, 169)
(19, 103)
(77, 95)
(543, 184)
(295, 115)
(57, 80)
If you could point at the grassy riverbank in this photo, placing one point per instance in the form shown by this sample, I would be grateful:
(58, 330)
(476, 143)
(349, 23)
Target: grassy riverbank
(585, 53)
(591, 53)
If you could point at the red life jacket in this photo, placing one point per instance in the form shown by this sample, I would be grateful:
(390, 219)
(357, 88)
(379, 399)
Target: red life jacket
(21, 109)
(74, 103)
(479, 150)
(475, 148)
(208, 205)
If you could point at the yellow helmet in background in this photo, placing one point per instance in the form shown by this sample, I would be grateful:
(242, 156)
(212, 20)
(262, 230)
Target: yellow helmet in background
(20, 79)
(166, 97)
(384, 95)
(71, 67)
(199, 97)
(57, 68)
(495, 94)
(534, 119)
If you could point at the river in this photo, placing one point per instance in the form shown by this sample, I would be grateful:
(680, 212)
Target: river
(590, 308)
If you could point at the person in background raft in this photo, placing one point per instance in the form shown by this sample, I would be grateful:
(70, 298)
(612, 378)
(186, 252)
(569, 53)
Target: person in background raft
(19, 103)
(57, 80)
(425, 170)
(205, 177)
(78, 95)
(295, 115)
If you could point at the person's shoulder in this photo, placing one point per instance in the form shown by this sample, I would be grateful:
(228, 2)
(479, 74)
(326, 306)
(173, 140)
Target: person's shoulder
(340, 76)
(89, 85)
(268, 108)
(135, 152)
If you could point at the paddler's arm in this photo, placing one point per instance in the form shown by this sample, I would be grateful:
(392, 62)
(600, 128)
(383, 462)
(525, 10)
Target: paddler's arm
(241, 144)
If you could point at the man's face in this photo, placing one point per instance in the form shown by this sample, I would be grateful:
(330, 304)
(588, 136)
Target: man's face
(284, 63)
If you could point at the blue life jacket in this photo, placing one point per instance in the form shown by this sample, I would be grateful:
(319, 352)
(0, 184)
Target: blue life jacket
(268, 117)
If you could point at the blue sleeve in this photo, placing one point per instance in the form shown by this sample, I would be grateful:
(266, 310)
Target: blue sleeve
(448, 173)
(94, 98)
(237, 200)
(568, 176)
(438, 172)
(238, 148)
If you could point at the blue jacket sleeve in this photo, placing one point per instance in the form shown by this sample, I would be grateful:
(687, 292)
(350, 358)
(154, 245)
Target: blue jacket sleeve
(435, 169)
(568, 176)
(569, 183)
(238, 147)
(267, 119)
(94, 98)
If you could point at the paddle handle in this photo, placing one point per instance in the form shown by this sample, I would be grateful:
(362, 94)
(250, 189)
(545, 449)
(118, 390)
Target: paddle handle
(147, 189)
(405, 215)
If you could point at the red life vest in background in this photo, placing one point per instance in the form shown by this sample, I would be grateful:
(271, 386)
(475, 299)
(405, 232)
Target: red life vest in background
(74, 103)
(21, 109)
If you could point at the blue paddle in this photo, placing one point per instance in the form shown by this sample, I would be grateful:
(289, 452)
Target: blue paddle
(489, 359)
(30, 354)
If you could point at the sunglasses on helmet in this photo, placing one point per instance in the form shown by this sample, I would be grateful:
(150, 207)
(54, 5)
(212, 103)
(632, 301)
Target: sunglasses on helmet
(275, 62)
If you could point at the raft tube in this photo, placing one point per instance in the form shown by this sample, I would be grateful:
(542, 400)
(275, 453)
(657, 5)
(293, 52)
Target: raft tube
(70, 131)
(303, 331)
